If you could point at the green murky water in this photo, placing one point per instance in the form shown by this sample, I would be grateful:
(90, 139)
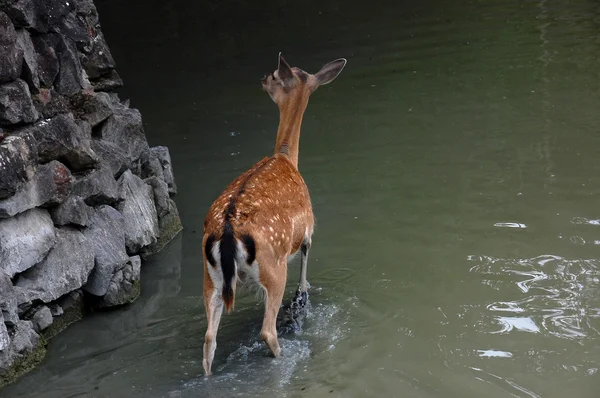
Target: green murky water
(454, 174)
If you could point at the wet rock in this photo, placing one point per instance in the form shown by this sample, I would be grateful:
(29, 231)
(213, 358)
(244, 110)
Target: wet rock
(24, 352)
(55, 309)
(163, 155)
(29, 71)
(49, 103)
(139, 212)
(161, 195)
(50, 186)
(106, 232)
(92, 107)
(8, 300)
(71, 211)
(42, 318)
(97, 187)
(124, 285)
(111, 156)
(69, 80)
(25, 240)
(4, 338)
(18, 157)
(47, 59)
(169, 225)
(12, 56)
(61, 138)
(65, 269)
(124, 129)
(108, 82)
(16, 106)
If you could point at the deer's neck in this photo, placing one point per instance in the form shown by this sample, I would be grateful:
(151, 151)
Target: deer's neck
(288, 132)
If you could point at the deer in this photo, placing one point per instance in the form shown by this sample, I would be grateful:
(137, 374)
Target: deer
(264, 216)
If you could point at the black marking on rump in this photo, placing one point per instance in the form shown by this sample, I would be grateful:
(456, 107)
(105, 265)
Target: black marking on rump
(250, 248)
(210, 242)
(228, 246)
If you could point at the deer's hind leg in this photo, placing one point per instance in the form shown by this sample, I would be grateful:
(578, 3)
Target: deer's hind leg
(272, 276)
(213, 303)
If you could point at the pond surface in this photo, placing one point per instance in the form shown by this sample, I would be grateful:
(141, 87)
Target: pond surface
(454, 172)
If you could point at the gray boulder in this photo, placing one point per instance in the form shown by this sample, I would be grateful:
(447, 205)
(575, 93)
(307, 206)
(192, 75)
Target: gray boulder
(16, 106)
(163, 155)
(107, 235)
(30, 67)
(124, 129)
(71, 211)
(61, 138)
(98, 60)
(42, 318)
(66, 268)
(151, 166)
(25, 240)
(8, 300)
(4, 338)
(111, 156)
(97, 187)
(24, 342)
(18, 157)
(161, 195)
(50, 186)
(12, 56)
(139, 212)
(47, 59)
(124, 285)
(49, 103)
(31, 14)
(108, 82)
(92, 107)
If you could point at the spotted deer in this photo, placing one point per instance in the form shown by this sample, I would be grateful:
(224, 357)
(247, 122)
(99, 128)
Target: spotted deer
(264, 216)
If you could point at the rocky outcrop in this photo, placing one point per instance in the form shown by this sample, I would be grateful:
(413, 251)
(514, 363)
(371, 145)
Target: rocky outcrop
(83, 197)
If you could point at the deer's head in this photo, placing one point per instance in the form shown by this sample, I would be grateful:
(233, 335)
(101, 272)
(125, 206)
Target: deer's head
(287, 82)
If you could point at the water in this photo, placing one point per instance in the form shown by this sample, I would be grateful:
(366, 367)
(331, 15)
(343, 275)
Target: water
(454, 174)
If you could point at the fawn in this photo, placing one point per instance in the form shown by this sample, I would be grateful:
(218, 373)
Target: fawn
(264, 215)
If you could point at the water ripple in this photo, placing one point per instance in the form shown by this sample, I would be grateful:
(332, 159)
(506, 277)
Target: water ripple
(556, 296)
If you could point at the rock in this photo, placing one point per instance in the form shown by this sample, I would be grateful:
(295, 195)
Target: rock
(47, 59)
(12, 56)
(49, 103)
(124, 285)
(151, 166)
(4, 338)
(42, 318)
(8, 300)
(111, 156)
(18, 157)
(97, 187)
(124, 129)
(75, 28)
(162, 153)
(30, 67)
(61, 138)
(92, 107)
(26, 13)
(139, 212)
(98, 60)
(66, 268)
(71, 211)
(106, 232)
(55, 309)
(50, 186)
(161, 195)
(169, 225)
(108, 82)
(25, 240)
(24, 352)
(16, 106)
(70, 78)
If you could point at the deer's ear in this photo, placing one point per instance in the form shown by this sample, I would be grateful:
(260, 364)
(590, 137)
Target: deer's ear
(329, 72)
(284, 71)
